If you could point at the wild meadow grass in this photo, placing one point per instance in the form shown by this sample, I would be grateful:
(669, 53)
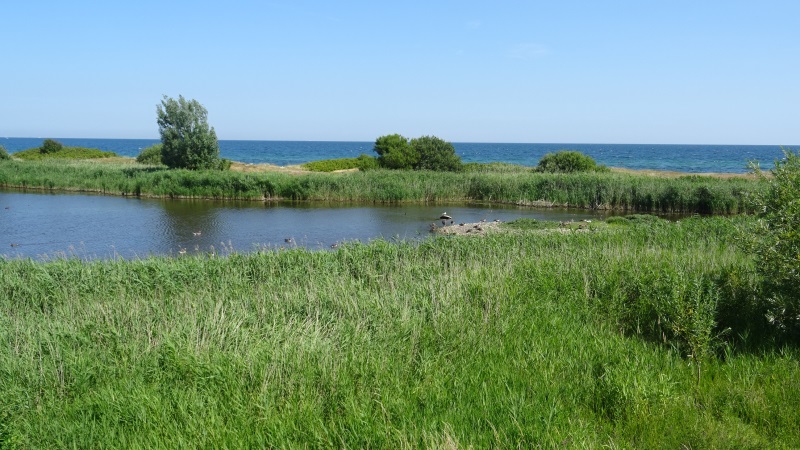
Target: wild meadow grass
(692, 194)
(639, 334)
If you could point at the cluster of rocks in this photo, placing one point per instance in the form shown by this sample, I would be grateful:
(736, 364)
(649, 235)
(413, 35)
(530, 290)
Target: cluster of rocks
(448, 226)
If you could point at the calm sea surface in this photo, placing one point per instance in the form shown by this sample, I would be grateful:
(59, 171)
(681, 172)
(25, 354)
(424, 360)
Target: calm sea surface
(682, 158)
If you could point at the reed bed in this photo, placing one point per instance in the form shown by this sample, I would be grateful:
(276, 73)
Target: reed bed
(691, 194)
(644, 334)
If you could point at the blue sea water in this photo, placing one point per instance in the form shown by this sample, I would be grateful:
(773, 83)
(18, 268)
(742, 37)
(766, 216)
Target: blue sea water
(681, 158)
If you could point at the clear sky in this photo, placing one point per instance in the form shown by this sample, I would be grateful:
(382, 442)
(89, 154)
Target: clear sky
(690, 72)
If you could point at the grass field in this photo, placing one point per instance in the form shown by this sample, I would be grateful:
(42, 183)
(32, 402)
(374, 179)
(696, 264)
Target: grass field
(493, 183)
(639, 334)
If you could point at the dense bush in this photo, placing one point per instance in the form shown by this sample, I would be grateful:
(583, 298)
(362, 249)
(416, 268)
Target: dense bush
(395, 152)
(363, 162)
(568, 161)
(150, 155)
(63, 153)
(436, 154)
(51, 146)
(776, 242)
(3, 153)
(423, 153)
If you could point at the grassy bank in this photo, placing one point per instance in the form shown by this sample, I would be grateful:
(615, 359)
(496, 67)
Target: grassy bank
(645, 334)
(586, 190)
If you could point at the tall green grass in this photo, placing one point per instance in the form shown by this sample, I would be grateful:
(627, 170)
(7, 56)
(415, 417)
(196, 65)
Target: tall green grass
(532, 339)
(584, 190)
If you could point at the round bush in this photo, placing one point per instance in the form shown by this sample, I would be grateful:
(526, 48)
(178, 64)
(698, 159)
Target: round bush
(51, 146)
(566, 161)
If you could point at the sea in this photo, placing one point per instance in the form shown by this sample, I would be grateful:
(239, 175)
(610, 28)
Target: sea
(664, 157)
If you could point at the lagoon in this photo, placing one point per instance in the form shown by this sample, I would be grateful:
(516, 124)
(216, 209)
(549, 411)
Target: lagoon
(46, 225)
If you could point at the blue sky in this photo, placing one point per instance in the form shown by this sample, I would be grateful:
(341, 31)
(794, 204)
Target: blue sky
(692, 72)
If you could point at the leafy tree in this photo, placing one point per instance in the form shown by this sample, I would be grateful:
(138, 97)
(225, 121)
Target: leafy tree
(776, 242)
(436, 154)
(423, 153)
(187, 140)
(51, 146)
(3, 153)
(568, 161)
(395, 152)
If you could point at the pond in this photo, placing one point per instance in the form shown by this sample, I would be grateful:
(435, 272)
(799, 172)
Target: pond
(46, 225)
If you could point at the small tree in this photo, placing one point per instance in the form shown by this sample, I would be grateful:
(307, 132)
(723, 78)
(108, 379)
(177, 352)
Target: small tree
(776, 242)
(51, 146)
(395, 152)
(187, 140)
(423, 153)
(436, 154)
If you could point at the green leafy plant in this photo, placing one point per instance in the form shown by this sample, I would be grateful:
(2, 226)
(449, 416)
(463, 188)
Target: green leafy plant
(150, 155)
(395, 152)
(776, 242)
(436, 154)
(423, 153)
(188, 141)
(63, 153)
(51, 146)
(3, 153)
(363, 162)
(568, 161)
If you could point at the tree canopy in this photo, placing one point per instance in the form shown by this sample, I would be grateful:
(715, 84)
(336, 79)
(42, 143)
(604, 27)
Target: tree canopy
(188, 141)
(424, 153)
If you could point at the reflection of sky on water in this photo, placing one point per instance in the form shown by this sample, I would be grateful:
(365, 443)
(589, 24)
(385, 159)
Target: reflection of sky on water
(92, 226)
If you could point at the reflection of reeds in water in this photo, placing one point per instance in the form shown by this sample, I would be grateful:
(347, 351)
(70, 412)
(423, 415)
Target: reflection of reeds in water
(588, 190)
(510, 340)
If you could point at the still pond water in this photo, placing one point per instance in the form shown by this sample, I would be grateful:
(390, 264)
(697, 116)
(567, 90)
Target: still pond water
(45, 226)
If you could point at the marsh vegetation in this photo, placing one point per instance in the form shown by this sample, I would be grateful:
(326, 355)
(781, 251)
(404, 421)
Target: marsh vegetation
(646, 333)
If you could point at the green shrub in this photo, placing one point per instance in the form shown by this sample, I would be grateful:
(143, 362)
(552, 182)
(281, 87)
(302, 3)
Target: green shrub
(423, 153)
(3, 153)
(568, 161)
(63, 153)
(395, 152)
(366, 162)
(436, 154)
(50, 146)
(331, 165)
(776, 242)
(151, 155)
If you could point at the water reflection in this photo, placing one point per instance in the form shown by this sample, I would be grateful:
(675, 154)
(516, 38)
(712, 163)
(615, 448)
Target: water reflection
(42, 225)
